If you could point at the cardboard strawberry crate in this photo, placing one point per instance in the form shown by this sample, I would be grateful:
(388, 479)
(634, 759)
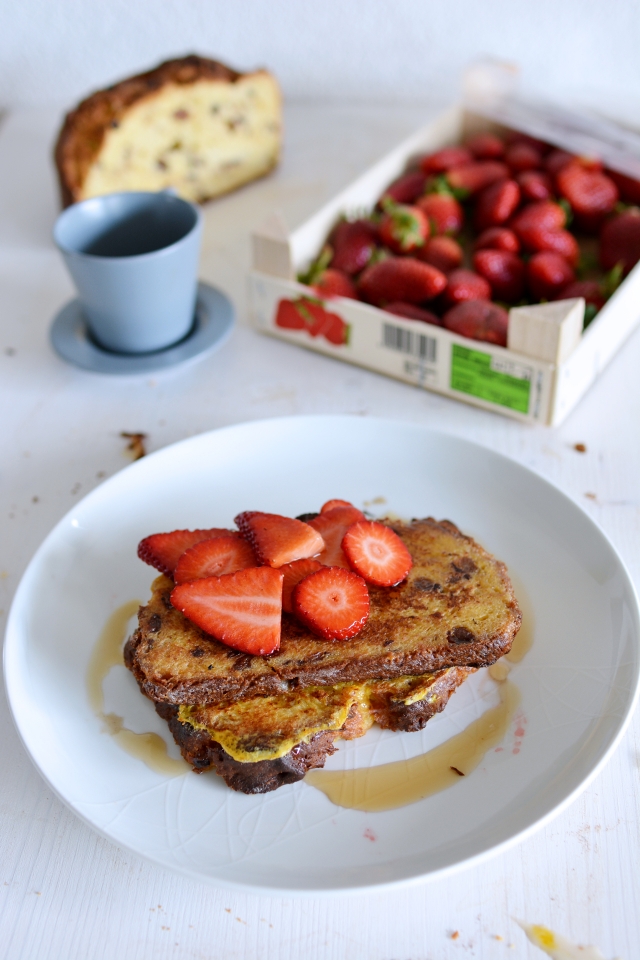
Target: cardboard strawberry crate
(547, 366)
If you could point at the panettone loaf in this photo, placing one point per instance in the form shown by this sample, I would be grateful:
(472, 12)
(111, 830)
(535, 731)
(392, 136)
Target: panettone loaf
(192, 124)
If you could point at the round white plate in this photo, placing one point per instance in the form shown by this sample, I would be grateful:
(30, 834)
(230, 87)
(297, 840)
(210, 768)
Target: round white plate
(578, 682)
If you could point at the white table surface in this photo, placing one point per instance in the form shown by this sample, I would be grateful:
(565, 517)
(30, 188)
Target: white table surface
(67, 893)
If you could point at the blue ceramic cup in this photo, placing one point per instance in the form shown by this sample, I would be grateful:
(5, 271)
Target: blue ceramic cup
(133, 258)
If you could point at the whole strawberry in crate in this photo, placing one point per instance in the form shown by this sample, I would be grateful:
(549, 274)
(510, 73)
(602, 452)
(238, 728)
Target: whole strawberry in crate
(499, 238)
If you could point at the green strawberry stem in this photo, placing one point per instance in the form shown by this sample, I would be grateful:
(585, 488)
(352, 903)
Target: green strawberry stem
(317, 268)
(612, 280)
(568, 212)
(590, 312)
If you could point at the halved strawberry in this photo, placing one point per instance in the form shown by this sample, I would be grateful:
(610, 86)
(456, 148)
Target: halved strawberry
(376, 553)
(330, 504)
(242, 610)
(163, 550)
(278, 540)
(332, 525)
(333, 603)
(293, 574)
(214, 558)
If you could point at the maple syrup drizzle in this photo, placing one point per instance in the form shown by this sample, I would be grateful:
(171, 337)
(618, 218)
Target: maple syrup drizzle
(107, 653)
(392, 785)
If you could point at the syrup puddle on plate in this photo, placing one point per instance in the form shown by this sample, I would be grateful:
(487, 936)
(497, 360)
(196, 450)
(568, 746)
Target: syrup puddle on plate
(392, 785)
(107, 653)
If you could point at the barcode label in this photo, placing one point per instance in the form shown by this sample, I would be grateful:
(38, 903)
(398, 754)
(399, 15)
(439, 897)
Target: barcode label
(407, 341)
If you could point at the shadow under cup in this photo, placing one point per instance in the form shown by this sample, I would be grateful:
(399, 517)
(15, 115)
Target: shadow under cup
(133, 258)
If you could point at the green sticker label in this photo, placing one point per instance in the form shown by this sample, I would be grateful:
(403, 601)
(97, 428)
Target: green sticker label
(474, 372)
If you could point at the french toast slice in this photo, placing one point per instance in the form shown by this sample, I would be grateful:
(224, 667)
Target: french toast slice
(261, 744)
(456, 608)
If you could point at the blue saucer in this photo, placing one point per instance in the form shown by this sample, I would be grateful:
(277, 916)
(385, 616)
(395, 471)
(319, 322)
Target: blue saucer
(213, 322)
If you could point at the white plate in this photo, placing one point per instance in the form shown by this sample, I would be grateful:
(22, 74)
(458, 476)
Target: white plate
(578, 682)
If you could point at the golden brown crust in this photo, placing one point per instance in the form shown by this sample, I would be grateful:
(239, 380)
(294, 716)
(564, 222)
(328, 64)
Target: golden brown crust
(84, 128)
(457, 608)
(200, 748)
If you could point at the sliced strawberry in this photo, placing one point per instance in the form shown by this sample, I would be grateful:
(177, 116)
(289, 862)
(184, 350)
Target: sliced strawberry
(278, 540)
(330, 504)
(163, 550)
(333, 603)
(214, 558)
(332, 525)
(242, 609)
(376, 553)
(293, 573)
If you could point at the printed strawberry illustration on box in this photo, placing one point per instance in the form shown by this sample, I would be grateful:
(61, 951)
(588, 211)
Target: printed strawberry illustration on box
(306, 313)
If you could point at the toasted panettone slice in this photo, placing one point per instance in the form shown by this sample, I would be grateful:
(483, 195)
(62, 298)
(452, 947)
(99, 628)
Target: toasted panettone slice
(260, 744)
(456, 608)
(192, 124)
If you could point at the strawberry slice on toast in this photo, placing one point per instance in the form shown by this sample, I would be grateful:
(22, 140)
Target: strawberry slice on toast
(333, 603)
(293, 574)
(330, 504)
(163, 550)
(376, 553)
(278, 540)
(243, 610)
(332, 525)
(214, 558)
